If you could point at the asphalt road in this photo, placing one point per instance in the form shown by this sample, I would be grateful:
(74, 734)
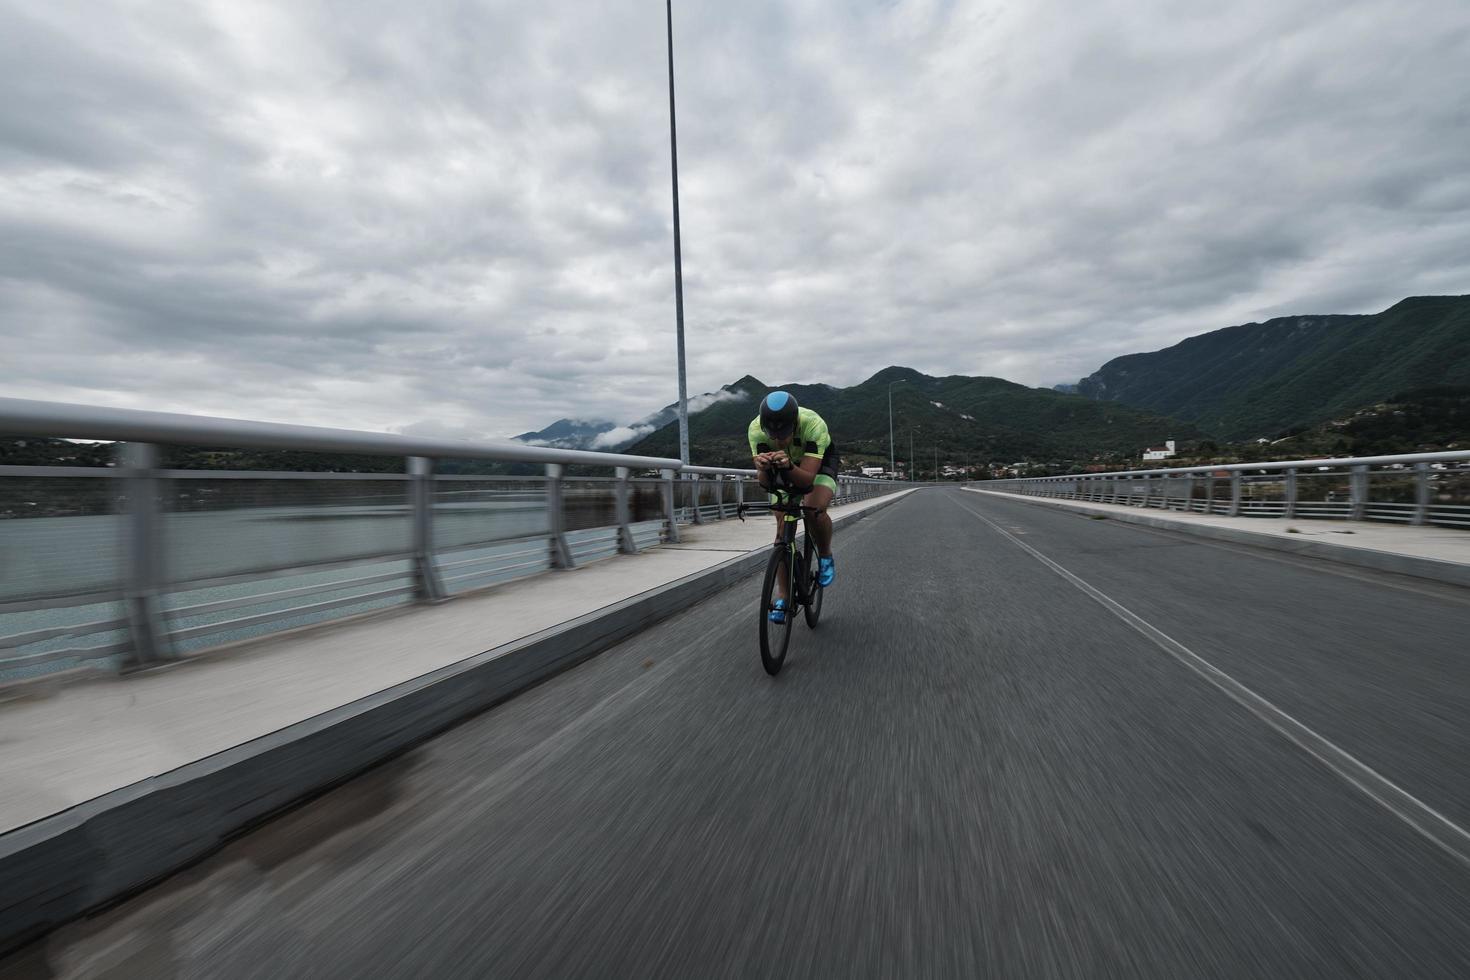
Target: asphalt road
(974, 767)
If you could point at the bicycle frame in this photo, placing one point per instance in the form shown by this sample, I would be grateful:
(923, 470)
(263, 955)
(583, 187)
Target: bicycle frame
(796, 577)
(800, 589)
(789, 505)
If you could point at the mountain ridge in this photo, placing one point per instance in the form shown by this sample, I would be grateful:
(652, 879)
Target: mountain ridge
(959, 418)
(1256, 380)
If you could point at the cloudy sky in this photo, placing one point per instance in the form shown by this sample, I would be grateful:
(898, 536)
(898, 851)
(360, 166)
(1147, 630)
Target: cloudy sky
(454, 217)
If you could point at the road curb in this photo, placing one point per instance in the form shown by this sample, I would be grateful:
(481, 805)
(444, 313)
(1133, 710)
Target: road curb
(102, 851)
(1448, 572)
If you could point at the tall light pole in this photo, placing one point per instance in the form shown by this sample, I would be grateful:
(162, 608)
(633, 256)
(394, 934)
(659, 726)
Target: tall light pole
(678, 260)
(892, 467)
(913, 470)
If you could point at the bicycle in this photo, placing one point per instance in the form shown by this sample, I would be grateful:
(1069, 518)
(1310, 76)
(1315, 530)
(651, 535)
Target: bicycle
(800, 570)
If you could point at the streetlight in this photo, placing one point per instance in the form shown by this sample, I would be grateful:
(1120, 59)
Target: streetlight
(892, 467)
(678, 260)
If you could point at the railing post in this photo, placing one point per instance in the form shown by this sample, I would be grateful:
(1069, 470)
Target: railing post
(1235, 493)
(720, 497)
(739, 492)
(1290, 492)
(693, 479)
(1209, 493)
(556, 518)
(143, 547)
(426, 584)
(1358, 493)
(1421, 494)
(671, 514)
(626, 544)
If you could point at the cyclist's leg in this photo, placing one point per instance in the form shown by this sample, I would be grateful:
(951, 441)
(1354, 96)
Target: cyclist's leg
(780, 579)
(824, 488)
(819, 525)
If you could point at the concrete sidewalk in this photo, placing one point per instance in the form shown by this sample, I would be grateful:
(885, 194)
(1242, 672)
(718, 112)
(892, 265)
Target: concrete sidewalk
(1438, 553)
(90, 738)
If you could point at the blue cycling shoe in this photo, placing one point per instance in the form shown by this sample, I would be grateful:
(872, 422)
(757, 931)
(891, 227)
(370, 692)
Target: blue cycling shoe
(778, 611)
(826, 571)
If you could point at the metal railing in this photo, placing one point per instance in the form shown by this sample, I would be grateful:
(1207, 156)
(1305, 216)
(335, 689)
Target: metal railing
(1414, 488)
(132, 564)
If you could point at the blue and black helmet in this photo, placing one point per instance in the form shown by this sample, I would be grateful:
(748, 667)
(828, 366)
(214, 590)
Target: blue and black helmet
(778, 414)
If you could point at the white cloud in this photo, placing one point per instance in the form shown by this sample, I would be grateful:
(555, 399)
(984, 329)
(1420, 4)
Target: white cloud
(621, 436)
(360, 215)
(435, 429)
(699, 403)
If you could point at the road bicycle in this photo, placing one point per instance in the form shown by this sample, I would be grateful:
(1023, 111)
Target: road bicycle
(798, 568)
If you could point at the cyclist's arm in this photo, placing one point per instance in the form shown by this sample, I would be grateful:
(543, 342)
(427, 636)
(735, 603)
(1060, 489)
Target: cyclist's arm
(804, 473)
(765, 471)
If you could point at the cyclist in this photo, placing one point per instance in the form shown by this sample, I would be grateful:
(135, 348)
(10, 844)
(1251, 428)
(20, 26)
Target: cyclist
(791, 446)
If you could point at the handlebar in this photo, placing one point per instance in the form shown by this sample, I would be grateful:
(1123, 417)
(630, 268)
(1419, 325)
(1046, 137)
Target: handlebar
(793, 507)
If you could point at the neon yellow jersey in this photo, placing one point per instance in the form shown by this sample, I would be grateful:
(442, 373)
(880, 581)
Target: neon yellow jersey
(811, 438)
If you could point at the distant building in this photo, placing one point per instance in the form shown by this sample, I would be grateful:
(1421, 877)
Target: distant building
(868, 471)
(1159, 452)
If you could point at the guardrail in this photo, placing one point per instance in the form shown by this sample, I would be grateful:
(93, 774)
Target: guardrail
(132, 565)
(1414, 488)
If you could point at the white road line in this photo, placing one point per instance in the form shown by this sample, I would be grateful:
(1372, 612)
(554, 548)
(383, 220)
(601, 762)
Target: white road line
(1427, 821)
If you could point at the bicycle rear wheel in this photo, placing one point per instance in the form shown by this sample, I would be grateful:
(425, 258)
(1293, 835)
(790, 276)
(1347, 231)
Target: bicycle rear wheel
(775, 637)
(813, 590)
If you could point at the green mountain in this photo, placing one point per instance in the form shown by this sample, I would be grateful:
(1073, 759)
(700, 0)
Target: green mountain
(1261, 379)
(967, 420)
(1426, 420)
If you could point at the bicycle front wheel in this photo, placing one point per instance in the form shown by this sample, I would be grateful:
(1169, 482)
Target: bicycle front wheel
(814, 591)
(775, 637)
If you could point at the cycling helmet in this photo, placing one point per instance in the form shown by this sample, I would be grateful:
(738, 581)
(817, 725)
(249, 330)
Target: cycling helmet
(778, 415)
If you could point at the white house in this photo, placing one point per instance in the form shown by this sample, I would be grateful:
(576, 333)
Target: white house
(871, 471)
(1160, 452)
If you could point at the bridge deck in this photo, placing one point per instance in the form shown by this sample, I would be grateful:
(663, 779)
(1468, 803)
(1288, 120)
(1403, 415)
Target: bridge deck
(85, 739)
(976, 766)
